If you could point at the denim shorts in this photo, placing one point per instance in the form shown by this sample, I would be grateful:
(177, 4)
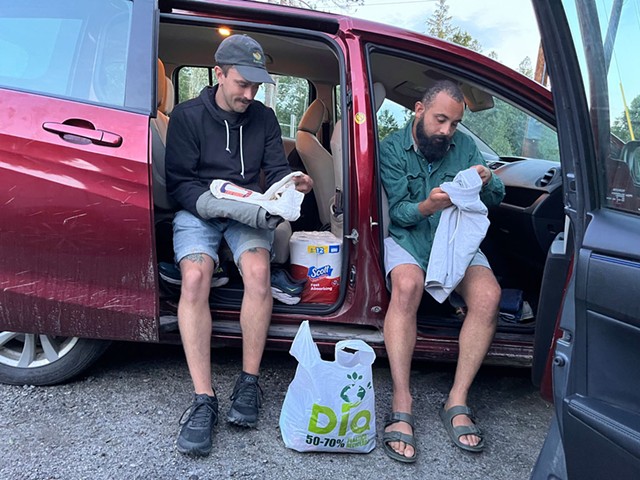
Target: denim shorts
(192, 234)
(395, 255)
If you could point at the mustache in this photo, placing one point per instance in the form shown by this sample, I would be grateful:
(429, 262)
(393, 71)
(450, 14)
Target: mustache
(442, 139)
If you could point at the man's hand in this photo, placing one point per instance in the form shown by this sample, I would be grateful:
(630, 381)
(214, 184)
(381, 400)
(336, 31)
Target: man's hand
(484, 172)
(437, 200)
(304, 183)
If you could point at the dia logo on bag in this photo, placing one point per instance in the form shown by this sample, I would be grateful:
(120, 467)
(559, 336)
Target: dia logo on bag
(359, 423)
(323, 413)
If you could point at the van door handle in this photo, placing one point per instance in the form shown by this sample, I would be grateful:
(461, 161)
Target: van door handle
(75, 134)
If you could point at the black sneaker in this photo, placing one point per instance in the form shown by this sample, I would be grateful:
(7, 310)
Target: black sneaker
(285, 288)
(170, 273)
(195, 434)
(247, 400)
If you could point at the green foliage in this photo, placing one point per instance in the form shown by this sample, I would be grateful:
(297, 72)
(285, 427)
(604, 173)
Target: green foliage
(525, 67)
(511, 132)
(191, 81)
(386, 124)
(292, 96)
(620, 127)
(464, 38)
(439, 25)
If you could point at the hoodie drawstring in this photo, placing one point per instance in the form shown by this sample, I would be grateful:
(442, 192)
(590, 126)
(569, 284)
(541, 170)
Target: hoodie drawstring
(227, 127)
(241, 154)
(226, 124)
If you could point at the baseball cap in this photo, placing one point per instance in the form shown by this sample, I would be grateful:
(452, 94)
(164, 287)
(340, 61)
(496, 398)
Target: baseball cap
(244, 53)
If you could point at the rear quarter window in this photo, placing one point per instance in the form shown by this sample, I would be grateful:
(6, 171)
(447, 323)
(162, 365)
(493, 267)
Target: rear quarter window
(289, 97)
(66, 48)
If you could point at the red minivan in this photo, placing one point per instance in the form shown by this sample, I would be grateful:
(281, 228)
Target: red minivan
(86, 92)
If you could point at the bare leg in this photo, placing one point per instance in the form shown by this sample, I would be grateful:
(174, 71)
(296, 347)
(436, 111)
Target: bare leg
(400, 339)
(481, 293)
(194, 319)
(257, 302)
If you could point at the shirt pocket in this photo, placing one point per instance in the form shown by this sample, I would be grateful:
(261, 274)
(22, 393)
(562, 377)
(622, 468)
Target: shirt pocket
(417, 186)
(448, 176)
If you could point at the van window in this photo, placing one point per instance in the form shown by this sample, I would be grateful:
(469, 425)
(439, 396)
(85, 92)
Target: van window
(66, 48)
(289, 97)
(504, 130)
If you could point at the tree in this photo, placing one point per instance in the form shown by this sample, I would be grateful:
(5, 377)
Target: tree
(386, 123)
(439, 25)
(290, 101)
(620, 127)
(525, 67)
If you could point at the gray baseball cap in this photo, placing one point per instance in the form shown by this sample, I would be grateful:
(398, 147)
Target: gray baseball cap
(244, 53)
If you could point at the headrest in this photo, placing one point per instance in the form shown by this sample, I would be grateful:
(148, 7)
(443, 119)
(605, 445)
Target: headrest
(312, 119)
(379, 94)
(162, 91)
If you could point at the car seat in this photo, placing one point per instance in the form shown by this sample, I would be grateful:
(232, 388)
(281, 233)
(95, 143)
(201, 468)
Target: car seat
(316, 159)
(159, 126)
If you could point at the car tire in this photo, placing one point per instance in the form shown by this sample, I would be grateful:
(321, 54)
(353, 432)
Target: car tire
(36, 359)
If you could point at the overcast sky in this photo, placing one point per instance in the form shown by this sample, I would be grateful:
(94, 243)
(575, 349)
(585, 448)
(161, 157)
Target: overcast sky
(506, 26)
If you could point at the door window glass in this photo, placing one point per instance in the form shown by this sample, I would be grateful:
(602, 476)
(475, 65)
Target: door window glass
(289, 97)
(613, 93)
(504, 130)
(67, 48)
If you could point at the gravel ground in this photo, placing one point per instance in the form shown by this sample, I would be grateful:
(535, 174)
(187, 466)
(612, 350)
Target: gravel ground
(120, 421)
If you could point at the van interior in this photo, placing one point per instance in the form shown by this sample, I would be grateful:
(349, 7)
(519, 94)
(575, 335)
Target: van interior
(310, 98)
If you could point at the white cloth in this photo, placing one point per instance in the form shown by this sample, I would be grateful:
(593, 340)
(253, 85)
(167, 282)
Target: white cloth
(461, 229)
(280, 199)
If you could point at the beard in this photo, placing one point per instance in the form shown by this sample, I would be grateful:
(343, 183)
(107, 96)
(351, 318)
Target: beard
(433, 147)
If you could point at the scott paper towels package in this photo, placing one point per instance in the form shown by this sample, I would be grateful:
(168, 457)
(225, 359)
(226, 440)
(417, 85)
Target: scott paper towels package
(317, 256)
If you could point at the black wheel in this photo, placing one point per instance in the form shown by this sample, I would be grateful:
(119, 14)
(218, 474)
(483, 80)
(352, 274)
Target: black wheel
(34, 359)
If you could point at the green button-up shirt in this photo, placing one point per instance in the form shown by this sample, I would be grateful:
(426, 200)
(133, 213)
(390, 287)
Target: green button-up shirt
(408, 179)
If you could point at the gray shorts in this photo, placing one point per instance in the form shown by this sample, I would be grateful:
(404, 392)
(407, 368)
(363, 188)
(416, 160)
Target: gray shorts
(192, 234)
(395, 255)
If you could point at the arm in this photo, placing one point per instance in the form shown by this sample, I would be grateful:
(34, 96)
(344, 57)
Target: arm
(403, 211)
(182, 157)
(492, 191)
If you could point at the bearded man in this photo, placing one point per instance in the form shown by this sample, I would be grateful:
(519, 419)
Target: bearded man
(415, 161)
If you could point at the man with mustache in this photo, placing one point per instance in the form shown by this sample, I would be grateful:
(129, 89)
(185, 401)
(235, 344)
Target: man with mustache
(223, 134)
(415, 161)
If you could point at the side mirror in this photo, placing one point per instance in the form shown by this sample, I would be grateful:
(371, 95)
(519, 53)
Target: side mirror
(631, 156)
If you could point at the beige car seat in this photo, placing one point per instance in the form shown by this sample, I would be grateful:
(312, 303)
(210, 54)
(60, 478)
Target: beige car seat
(159, 126)
(316, 159)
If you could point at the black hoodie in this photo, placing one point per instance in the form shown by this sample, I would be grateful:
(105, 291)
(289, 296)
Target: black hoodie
(205, 143)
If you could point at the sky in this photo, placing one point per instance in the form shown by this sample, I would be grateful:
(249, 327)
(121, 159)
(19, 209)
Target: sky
(507, 27)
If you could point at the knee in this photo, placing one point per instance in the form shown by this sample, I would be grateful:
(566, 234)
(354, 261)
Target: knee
(406, 290)
(195, 280)
(256, 278)
(487, 301)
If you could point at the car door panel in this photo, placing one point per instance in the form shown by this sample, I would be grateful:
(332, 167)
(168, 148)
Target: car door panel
(77, 233)
(80, 235)
(612, 449)
(596, 429)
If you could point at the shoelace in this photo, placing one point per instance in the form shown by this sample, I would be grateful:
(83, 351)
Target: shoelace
(248, 393)
(198, 414)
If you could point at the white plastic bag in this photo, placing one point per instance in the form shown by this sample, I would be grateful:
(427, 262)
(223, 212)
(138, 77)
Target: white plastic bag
(280, 199)
(330, 406)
